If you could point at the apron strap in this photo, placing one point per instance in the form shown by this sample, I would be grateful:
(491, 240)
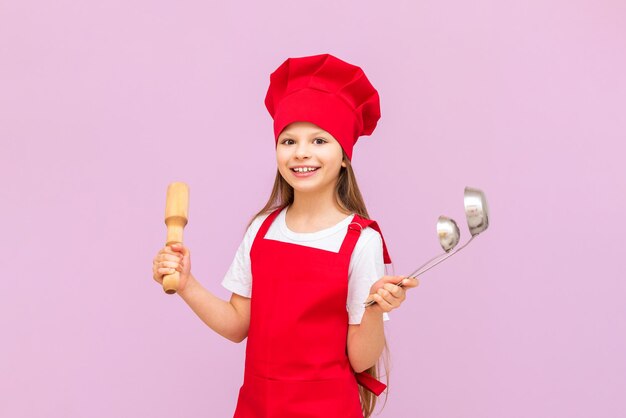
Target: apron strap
(375, 226)
(354, 230)
(370, 383)
(267, 223)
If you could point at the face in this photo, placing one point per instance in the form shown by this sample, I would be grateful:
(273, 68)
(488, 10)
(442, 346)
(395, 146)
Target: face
(308, 157)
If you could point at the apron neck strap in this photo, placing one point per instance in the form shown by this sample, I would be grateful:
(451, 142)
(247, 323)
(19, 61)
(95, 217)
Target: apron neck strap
(356, 226)
(266, 224)
(364, 223)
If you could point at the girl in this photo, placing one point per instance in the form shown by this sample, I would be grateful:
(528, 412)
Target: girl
(309, 259)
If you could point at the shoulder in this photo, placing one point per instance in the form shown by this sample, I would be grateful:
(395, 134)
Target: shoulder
(374, 230)
(370, 240)
(367, 255)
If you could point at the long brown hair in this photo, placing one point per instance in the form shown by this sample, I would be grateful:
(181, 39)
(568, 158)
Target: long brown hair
(349, 198)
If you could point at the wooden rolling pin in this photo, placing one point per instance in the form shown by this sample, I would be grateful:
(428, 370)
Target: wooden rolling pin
(176, 208)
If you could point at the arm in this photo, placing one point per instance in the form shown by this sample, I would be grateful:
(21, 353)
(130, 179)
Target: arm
(230, 319)
(367, 340)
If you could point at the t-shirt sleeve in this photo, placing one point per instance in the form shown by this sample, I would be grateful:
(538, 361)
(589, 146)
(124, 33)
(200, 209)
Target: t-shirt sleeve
(366, 267)
(238, 278)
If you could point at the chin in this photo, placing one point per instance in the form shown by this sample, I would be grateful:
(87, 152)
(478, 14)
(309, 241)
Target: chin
(301, 188)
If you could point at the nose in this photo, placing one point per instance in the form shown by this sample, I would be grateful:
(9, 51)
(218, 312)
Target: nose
(302, 150)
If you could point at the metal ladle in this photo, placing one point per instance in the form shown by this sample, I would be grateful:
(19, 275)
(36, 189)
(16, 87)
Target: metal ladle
(477, 215)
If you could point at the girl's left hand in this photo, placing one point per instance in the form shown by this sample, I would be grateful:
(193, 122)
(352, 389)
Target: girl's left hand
(387, 294)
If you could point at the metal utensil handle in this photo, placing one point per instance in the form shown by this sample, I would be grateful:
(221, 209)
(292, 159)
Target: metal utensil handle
(419, 270)
(427, 263)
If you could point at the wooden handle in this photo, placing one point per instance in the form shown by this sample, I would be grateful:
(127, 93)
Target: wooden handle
(171, 282)
(176, 208)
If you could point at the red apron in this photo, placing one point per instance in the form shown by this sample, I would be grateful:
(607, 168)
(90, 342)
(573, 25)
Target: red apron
(296, 354)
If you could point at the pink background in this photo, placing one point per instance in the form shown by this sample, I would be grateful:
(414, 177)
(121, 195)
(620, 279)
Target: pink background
(103, 104)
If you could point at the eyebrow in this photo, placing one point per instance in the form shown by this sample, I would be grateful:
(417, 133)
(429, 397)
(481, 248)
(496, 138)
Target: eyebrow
(291, 134)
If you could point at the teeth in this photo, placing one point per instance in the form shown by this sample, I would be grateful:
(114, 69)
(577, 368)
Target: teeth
(304, 170)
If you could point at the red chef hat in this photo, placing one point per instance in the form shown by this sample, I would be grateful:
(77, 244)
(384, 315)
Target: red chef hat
(326, 91)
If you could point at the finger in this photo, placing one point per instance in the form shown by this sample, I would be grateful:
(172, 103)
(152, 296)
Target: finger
(392, 279)
(179, 248)
(170, 264)
(171, 257)
(407, 282)
(158, 274)
(411, 282)
(176, 249)
(394, 290)
(165, 271)
(388, 297)
(384, 304)
(167, 250)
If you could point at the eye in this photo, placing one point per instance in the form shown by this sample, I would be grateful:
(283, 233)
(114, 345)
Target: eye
(286, 141)
(323, 141)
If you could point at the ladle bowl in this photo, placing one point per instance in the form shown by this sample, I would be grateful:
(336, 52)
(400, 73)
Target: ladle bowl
(476, 210)
(448, 232)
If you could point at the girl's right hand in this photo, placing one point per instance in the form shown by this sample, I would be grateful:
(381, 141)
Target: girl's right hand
(171, 258)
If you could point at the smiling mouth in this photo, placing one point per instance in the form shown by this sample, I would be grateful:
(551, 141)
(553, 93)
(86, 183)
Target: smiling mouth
(304, 169)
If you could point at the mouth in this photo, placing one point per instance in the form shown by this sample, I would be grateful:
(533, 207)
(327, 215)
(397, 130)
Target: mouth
(304, 171)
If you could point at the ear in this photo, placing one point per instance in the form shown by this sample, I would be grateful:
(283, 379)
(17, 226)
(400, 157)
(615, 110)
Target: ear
(343, 164)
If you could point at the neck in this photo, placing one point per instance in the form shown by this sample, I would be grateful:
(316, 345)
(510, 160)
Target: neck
(314, 210)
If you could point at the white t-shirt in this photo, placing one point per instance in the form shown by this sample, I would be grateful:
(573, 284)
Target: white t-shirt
(366, 262)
